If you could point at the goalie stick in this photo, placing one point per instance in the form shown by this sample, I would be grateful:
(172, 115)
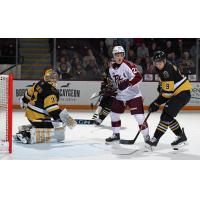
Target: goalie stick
(85, 121)
(134, 139)
(78, 121)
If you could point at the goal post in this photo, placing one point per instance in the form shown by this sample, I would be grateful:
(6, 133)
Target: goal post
(6, 97)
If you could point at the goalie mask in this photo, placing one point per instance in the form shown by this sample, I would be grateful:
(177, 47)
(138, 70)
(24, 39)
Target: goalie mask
(51, 76)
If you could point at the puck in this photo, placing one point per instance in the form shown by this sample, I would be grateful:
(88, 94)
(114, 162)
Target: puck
(176, 149)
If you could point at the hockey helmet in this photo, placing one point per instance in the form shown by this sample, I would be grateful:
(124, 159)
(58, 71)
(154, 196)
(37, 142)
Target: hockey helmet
(158, 56)
(118, 49)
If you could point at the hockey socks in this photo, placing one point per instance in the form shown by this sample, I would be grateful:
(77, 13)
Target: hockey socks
(160, 130)
(175, 127)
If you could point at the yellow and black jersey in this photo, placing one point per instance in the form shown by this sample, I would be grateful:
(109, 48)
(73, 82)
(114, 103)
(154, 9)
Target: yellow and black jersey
(42, 99)
(172, 81)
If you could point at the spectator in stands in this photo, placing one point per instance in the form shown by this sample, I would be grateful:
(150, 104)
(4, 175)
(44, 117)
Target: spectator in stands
(179, 48)
(150, 66)
(92, 70)
(172, 58)
(63, 53)
(109, 45)
(168, 48)
(186, 64)
(142, 51)
(64, 68)
(79, 72)
(131, 55)
(89, 56)
(105, 63)
(139, 65)
(193, 53)
(153, 48)
(103, 51)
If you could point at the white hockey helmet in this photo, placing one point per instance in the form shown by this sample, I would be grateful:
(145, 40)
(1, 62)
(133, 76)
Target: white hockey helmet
(118, 49)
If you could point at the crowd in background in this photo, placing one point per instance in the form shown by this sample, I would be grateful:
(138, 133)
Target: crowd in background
(7, 50)
(86, 59)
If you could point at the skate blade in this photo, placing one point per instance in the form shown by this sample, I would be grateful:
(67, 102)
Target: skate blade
(112, 143)
(148, 148)
(180, 146)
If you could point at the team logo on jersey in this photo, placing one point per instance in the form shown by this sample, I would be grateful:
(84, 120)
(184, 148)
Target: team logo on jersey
(53, 100)
(166, 74)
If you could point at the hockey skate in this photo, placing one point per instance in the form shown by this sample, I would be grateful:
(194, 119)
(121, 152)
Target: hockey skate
(147, 146)
(180, 141)
(152, 142)
(115, 137)
(97, 122)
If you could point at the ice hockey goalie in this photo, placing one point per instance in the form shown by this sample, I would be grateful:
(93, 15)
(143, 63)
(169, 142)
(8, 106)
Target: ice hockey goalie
(47, 120)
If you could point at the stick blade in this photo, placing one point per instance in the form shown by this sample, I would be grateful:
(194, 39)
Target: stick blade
(126, 141)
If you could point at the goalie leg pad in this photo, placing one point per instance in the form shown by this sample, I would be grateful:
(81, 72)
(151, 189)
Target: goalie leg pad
(46, 135)
(60, 134)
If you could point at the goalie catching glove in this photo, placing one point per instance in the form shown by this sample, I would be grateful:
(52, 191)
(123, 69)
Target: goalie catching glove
(67, 119)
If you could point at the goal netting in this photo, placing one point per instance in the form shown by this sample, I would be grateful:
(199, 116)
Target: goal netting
(6, 113)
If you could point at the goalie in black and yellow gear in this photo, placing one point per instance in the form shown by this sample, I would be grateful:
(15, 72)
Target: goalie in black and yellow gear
(41, 106)
(174, 91)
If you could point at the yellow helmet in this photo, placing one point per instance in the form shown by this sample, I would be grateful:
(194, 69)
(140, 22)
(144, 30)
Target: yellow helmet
(51, 77)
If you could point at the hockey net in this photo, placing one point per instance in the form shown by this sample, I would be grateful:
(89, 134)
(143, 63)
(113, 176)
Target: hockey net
(6, 82)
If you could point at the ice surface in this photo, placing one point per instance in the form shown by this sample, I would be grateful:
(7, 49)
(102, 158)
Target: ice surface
(87, 141)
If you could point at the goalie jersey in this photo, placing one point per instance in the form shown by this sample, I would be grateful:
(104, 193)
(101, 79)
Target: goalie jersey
(42, 102)
(172, 82)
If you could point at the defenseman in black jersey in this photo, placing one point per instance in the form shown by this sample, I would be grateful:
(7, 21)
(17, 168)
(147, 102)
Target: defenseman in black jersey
(174, 93)
(107, 94)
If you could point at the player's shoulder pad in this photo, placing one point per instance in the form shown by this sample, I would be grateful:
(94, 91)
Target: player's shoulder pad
(169, 64)
(48, 89)
(130, 64)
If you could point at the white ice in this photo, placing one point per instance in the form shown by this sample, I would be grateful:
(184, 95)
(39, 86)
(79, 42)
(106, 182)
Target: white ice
(87, 141)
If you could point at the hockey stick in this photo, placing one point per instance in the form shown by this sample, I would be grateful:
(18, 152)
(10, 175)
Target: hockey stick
(133, 140)
(94, 95)
(78, 121)
(195, 98)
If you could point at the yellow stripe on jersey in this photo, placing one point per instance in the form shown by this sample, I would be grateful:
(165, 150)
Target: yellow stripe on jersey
(34, 115)
(52, 108)
(183, 87)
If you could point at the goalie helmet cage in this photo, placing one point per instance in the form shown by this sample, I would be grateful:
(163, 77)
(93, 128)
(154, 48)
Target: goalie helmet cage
(6, 87)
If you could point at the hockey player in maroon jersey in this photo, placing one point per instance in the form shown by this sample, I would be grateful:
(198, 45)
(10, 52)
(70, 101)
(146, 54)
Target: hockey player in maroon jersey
(126, 79)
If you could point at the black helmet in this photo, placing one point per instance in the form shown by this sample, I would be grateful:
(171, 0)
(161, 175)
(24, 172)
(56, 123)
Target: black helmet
(159, 55)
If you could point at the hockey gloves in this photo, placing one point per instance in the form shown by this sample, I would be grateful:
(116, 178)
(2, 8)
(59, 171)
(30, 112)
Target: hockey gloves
(154, 107)
(122, 85)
